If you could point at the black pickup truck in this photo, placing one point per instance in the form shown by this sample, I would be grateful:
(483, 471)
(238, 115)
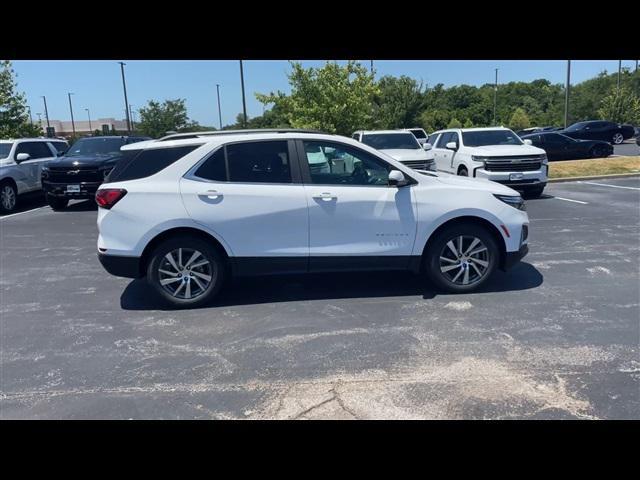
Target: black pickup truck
(79, 173)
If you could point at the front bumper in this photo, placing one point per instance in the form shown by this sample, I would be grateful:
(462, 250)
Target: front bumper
(534, 178)
(120, 266)
(512, 258)
(87, 189)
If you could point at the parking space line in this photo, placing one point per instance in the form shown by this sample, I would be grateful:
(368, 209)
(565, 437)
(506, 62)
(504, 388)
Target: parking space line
(20, 213)
(569, 200)
(612, 186)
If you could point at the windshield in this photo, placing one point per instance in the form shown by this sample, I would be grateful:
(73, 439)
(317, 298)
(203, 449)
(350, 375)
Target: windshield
(389, 141)
(482, 138)
(96, 146)
(5, 148)
(577, 126)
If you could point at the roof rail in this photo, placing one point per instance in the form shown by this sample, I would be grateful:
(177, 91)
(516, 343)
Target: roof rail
(184, 136)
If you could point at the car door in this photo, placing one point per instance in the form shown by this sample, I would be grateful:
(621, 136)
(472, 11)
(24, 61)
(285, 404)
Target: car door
(442, 155)
(39, 153)
(250, 195)
(356, 220)
(555, 146)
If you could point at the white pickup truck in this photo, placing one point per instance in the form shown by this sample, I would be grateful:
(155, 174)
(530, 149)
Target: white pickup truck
(496, 154)
(21, 163)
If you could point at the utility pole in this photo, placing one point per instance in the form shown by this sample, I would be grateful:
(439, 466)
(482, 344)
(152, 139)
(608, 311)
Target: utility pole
(619, 72)
(244, 104)
(371, 67)
(133, 127)
(126, 102)
(219, 109)
(566, 95)
(73, 124)
(39, 119)
(30, 117)
(495, 98)
(89, 116)
(46, 112)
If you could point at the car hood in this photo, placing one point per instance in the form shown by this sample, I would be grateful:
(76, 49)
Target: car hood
(507, 150)
(84, 161)
(406, 154)
(475, 184)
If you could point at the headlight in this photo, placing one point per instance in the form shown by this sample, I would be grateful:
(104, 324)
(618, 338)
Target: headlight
(476, 158)
(515, 201)
(543, 158)
(45, 172)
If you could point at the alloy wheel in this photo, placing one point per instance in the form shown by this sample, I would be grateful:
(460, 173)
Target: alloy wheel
(8, 197)
(464, 260)
(618, 138)
(185, 273)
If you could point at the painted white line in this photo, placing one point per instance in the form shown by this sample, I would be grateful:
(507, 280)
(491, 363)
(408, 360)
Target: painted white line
(574, 201)
(20, 213)
(612, 186)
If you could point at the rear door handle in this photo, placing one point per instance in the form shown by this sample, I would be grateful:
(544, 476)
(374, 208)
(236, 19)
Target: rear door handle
(326, 196)
(210, 194)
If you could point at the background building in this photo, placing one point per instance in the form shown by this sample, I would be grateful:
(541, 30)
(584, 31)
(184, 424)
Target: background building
(65, 129)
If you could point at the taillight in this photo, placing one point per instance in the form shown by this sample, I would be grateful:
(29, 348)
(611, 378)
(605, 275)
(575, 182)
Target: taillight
(108, 197)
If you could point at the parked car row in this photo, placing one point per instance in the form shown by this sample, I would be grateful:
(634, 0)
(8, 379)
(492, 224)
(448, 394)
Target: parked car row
(605, 131)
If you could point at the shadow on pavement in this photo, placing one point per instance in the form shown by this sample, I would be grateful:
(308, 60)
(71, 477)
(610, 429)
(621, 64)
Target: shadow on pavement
(82, 206)
(28, 201)
(138, 295)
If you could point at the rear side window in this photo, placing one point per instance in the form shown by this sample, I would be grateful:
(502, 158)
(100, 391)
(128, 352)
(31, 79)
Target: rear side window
(136, 164)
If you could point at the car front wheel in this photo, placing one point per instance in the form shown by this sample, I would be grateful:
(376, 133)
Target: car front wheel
(8, 198)
(186, 271)
(461, 258)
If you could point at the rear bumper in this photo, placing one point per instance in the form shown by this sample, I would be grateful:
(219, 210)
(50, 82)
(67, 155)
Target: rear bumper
(512, 258)
(120, 266)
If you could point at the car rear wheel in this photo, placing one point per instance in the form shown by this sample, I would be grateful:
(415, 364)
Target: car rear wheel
(186, 271)
(618, 138)
(461, 258)
(57, 203)
(8, 198)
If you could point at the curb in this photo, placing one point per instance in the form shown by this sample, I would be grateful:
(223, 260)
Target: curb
(594, 177)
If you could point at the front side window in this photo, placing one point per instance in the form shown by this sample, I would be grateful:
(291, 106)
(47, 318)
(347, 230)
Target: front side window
(419, 133)
(481, 138)
(577, 126)
(34, 149)
(444, 139)
(60, 147)
(391, 141)
(336, 164)
(432, 139)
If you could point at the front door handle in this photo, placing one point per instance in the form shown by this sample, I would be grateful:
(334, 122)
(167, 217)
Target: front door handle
(326, 196)
(210, 194)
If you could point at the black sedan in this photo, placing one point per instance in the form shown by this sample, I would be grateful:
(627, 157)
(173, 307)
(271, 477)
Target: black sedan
(614, 133)
(561, 147)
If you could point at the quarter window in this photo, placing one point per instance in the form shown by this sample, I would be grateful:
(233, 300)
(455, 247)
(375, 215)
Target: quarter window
(336, 164)
(213, 167)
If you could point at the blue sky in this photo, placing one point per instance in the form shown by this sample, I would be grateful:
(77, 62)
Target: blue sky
(97, 85)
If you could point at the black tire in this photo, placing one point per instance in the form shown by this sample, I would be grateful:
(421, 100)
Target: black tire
(8, 197)
(534, 192)
(617, 139)
(57, 203)
(216, 271)
(437, 248)
(598, 152)
(463, 172)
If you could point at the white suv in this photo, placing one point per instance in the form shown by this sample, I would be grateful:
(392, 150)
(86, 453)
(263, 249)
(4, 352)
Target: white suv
(188, 212)
(496, 154)
(399, 144)
(21, 163)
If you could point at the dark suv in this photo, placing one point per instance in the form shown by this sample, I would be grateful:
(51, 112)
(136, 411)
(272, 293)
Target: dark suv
(79, 173)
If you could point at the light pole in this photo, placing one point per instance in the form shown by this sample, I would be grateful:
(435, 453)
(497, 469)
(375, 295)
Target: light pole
(126, 102)
(30, 117)
(244, 104)
(73, 124)
(89, 117)
(619, 71)
(39, 120)
(46, 112)
(495, 98)
(371, 67)
(133, 127)
(566, 95)
(219, 109)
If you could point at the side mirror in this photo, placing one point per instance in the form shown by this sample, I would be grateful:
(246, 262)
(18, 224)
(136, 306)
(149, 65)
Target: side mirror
(427, 146)
(21, 157)
(452, 145)
(527, 141)
(397, 178)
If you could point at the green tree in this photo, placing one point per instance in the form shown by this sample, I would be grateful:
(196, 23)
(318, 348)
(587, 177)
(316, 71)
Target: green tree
(621, 106)
(519, 119)
(399, 102)
(14, 116)
(454, 123)
(158, 118)
(334, 98)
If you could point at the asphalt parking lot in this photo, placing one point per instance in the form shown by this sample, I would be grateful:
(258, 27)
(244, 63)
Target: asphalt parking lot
(557, 337)
(628, 148)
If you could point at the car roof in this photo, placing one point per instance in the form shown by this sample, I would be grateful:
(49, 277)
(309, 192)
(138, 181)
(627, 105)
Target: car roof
(476, 129)
(232, 136)
(11, 140)
(367, 132)
(247, 131)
